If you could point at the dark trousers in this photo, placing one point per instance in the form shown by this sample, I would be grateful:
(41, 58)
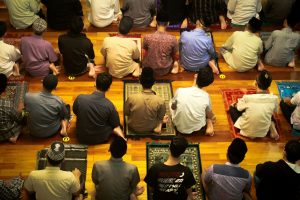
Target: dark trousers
(287, 110)
(235, 113)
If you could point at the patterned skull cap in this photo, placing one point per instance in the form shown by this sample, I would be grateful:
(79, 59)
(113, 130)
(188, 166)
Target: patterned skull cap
(56, 152)
(39, 25)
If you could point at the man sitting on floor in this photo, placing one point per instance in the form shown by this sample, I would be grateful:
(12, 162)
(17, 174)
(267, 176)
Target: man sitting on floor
(229, 180)
(242, 49)
(282, 44)
(10, 118)
(161, 48)
(191, 107)
(146, 111)
(290, 108)
(121, 54)
(47, 113)
(97, 117)
(38, 54)
(114, 178)
(9, 55)
(252, 114)
(76, 49)
(52, 183)
(280, 180)
(197, 49)
(159, 176)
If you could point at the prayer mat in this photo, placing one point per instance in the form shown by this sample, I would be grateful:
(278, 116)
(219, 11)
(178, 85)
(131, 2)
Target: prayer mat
(16, 91)
(162, 89)
(264, 36)
(158, 153)
(288, 89)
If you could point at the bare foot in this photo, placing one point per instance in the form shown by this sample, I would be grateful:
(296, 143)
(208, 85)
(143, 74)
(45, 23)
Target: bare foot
(92, 72)
(165, 119)
(13, 139)
(153, 23)
(137, 72)
(175, 69)
(260, 66)
(63, 132)
(273, 132)
(184, 24)
(223, 25)
(213, 66)
(292, 64)
(55, 71)
(209, 127)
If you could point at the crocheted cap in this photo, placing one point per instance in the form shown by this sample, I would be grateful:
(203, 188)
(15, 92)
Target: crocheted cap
(39, 25)
(56, 152)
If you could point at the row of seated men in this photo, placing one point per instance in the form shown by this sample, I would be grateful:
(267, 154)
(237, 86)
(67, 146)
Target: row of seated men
(116, 179)
(241, 51)
(102, 13)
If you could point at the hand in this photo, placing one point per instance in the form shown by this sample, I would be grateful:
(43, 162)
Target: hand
(76, 172)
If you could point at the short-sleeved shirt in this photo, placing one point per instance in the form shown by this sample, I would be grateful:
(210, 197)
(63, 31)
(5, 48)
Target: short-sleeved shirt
(114, 179)
(227, 182)
(8, 56)
(295, 118)
(96, 118)
(145, 111)
(52, 183)
(192, 105)
(170, 182)
(196, 49)
(73, 48)
(161, 48)
(119, 54)
(37, 54)
(45, 113)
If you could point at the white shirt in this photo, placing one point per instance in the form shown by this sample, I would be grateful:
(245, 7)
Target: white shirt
(256, 120)
(8, 56)
(192, 105)
(295, 118)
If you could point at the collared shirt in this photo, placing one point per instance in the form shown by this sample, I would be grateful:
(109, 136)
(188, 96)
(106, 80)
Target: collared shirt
(192, 105)
(37, 54)
(119, 53)
(8, 56)
(45, 113)
(114, 179)
(96, 118)
(22, 14)
(227, 182)
(196, 49)
(61, 12)
(145, 111)
(281, 46)
(161, 47)
(256, 120)
(73, 48)
(52, 183)
(295, 117)
(275, 11)
(241, 11)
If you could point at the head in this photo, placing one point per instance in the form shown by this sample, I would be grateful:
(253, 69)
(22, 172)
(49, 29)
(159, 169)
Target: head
(264, 80)
(205, 77)
(76, 25)
(125, 25)
(162, 18)
(254, 25)
(292, 151)
(118, 147)
(236, 151)
(3, 83)
(50, 82)
(291, 21)
(178, 146)
(56, 153)
(3, 29)
(147, 78)
(39, 26)
(103, 81)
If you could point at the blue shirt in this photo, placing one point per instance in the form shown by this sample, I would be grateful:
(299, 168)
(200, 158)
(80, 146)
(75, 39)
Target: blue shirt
(196, 49)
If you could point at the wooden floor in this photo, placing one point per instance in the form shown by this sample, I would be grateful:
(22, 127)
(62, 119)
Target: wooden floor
(20, 158)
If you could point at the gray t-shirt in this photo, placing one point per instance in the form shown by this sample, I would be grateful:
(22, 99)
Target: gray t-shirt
(45, 112)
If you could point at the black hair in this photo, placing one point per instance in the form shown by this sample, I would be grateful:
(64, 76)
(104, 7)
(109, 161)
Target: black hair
(3, 28)
(50, 82)
(254, 25)
(292, 150)
(76, 25)
(125, 25)
(118, 147)
(162, 18)
(147, 78)
(205, 77)
(236, 151)
(264, 80)
(291, 20)
(3, 83)
(54, 162)
(178, 146)
(103, 81)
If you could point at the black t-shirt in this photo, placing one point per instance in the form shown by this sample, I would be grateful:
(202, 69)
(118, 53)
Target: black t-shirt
(170, 182)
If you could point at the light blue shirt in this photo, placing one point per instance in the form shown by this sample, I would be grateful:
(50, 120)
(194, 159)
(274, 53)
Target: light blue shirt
(196, 49)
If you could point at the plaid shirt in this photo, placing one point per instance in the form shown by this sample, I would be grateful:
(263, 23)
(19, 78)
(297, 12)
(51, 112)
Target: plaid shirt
(9, 120)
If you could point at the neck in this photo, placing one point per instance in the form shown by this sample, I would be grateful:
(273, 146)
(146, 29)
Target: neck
(46, 91)
(161, 29)
(260, 91)
(172, 160)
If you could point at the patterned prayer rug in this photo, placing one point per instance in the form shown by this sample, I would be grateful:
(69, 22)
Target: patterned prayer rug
(264, 36)
(158, 153)
(288, 89)
(16, 92)
(162, 89)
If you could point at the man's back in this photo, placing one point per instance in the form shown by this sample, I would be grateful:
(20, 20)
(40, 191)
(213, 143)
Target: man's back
(275, 11)
(114, 179)
(8, 56)
(243, 10)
